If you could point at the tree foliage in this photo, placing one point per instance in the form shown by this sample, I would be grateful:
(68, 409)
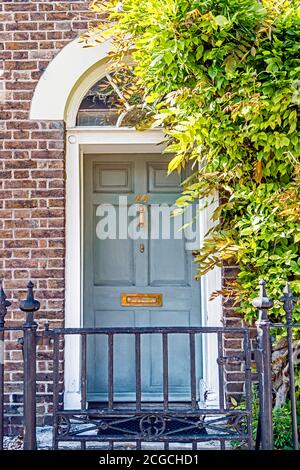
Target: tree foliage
(222, 77)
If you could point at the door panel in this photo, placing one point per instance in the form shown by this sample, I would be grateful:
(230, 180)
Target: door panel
(112, 178)
(165, 268)
(115, 266)
(158, 182)
(113, 259)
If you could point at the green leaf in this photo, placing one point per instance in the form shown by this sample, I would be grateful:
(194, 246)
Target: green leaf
(199, 52)
(230, 63)
(293, 127)
(168, 57)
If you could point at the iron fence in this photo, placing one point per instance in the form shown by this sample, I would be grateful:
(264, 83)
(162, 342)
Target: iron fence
(140, 421)
(112, 422)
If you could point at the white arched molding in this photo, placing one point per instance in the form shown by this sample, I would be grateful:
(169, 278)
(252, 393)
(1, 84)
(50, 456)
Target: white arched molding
(72, 68)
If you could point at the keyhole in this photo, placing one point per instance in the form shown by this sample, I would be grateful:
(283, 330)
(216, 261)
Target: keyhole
(142, 248)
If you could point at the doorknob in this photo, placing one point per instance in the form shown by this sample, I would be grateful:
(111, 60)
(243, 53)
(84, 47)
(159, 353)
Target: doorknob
(142, 248)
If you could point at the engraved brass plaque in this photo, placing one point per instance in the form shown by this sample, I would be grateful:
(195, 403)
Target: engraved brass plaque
(141, 300)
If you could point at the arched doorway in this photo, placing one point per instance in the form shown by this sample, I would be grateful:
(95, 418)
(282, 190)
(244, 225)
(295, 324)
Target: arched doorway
(108, 143)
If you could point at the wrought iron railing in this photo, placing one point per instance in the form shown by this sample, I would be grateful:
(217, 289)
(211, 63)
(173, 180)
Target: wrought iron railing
(167, 421)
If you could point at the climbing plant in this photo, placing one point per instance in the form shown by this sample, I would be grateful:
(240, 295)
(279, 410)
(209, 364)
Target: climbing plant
(223, 78)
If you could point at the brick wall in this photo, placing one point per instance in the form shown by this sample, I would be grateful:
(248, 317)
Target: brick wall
(233, 342)
(32, 183)
(32, 186)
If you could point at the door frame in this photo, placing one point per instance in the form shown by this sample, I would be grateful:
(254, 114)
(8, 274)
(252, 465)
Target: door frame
(85, 140)
(57, 97)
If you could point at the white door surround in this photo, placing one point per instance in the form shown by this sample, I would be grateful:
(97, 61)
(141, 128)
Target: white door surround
(58, 97)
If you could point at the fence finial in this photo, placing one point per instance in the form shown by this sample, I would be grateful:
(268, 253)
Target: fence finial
(4, 304)
(263, 302)
(289, 301)
(30, 305)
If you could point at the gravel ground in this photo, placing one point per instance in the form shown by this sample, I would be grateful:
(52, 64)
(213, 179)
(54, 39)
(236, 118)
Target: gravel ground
(44, 442)
(13, 443)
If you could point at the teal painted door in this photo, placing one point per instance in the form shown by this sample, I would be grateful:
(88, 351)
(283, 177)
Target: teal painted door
(114, 266)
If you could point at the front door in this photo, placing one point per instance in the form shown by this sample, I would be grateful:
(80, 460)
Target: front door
(128, 249)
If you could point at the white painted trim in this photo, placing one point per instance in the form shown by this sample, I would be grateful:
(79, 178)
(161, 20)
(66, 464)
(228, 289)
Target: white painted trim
(212, 311)
(62, 75)
(73, 274)
(90, 140)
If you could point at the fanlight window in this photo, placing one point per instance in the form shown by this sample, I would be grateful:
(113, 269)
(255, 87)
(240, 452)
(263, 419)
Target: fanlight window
(105, 105)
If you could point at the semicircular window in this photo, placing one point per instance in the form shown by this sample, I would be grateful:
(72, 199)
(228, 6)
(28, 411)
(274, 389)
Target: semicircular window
(106, 105)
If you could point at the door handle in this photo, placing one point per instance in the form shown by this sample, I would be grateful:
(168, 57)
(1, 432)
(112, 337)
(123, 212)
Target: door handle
(141, 216)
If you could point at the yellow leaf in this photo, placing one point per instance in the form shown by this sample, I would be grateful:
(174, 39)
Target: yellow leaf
(233, 401)
(194, 13)
(258, 171)
(98, 7)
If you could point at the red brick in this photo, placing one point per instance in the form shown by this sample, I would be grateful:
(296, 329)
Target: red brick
(20, 164)
(54, 35)
(5, 175)
(46, 25)
(5, 254)
(19, 46)
(22, 96)
(5, 55)
(20, 6)
(5, 135)
(12, 184)
(52, 193)
(21, 204)
(47, 273)
(30, 26)
(46, 135)
(45, 7)
(49, 174)
(20, 65)
(21, 223)
(20, 254)
(5, 214)
(5, 234)
(21, 17)
(17, 55)
(21, 124)
(21, 36)
(20, 115)
(21, 174)
(38, 35)
(41, 233)
(4, 115)
(20, 134)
